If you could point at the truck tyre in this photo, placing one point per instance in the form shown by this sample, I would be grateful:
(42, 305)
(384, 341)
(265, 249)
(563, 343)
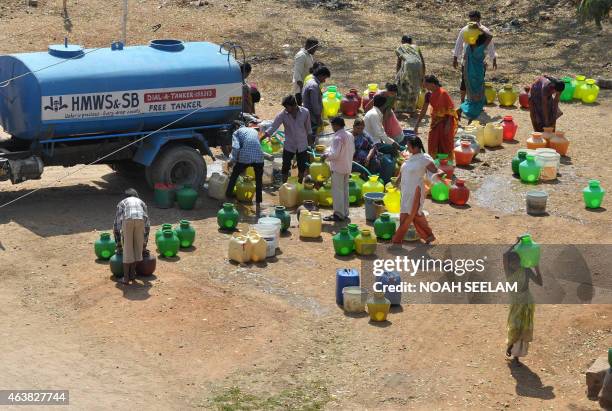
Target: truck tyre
(179, 165)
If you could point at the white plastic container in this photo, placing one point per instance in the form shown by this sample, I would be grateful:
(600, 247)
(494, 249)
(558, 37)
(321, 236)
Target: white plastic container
(268, 232)
(217, 184)
(325, 141)
(550, 164)
(552, 151)
(355, 299)
(273, 221)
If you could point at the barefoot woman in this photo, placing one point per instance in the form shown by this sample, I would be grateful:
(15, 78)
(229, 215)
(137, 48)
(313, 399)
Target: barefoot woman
(410, 182)
(522, 307)
(443, 124)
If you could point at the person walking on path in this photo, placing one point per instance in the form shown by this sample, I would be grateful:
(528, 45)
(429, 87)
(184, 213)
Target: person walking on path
(298, 130)
(410, 70)
(522, 307)
(247, 152)
(544, 96)
(303, 61)
(412, 189)
(340, 157)
(459, 50)
(313, 98)
(131, 229)
(443, 124)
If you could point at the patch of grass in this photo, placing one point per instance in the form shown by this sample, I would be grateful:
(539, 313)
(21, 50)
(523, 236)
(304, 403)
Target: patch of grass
(311, 396)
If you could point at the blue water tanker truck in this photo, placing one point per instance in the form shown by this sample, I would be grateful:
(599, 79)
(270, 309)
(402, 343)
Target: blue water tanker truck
(168, 102)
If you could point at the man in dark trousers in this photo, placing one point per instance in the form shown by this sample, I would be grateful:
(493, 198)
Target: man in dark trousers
(247, 152)
(298, 130)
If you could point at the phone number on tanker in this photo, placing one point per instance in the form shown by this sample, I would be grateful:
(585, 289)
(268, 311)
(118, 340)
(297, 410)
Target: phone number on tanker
(34, 397)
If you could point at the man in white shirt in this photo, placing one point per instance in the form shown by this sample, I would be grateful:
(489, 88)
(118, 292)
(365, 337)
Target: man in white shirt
(374, 122)
(459, 50)
(340, 158)
(303, 61)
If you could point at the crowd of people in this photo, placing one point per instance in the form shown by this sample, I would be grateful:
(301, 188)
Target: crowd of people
(375, 140)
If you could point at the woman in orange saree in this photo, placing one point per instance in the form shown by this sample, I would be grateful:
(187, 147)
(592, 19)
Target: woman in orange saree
(443, 118)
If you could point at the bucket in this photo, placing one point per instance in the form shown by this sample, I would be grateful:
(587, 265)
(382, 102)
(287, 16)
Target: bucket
(273, 221)
(345, 277)
(354, 298)
(164, 195)
(536, 202)
(548, 150)
(372, 203)
(268, 233)
(550, 164)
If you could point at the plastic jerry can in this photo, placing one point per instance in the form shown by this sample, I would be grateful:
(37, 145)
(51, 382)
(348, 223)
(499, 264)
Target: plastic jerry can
(310, 224)
(259, 246)
(239, 248)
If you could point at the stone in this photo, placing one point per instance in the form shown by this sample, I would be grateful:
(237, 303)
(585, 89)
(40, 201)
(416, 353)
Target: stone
(605, 395)
(544, 16)
(595, 376)
(604, 83)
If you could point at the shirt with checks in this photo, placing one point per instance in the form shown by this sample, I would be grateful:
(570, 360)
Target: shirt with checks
(131, 208)
(246, 148)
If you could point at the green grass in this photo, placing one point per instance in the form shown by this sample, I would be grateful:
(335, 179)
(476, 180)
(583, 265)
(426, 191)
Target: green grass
(312, 396)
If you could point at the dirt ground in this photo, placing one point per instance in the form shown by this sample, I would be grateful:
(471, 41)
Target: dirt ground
(207, 333)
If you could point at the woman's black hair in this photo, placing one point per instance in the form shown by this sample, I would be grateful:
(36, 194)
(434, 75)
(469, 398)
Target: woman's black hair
(391, 87)
(406, 39)
(416, 142)
(481, 39)
(289, 101)
(322, 71)
(558, 84)
(433, 80)
(315, 66)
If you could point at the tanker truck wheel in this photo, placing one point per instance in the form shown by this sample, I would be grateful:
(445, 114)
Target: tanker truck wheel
(179, 165)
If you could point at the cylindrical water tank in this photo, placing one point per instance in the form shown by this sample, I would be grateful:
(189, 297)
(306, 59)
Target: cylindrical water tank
(117, 89)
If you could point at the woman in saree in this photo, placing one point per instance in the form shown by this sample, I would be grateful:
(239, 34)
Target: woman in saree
(544, 102)
(474, 75)
(410, 70)
(443, 118)
(522, 306)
